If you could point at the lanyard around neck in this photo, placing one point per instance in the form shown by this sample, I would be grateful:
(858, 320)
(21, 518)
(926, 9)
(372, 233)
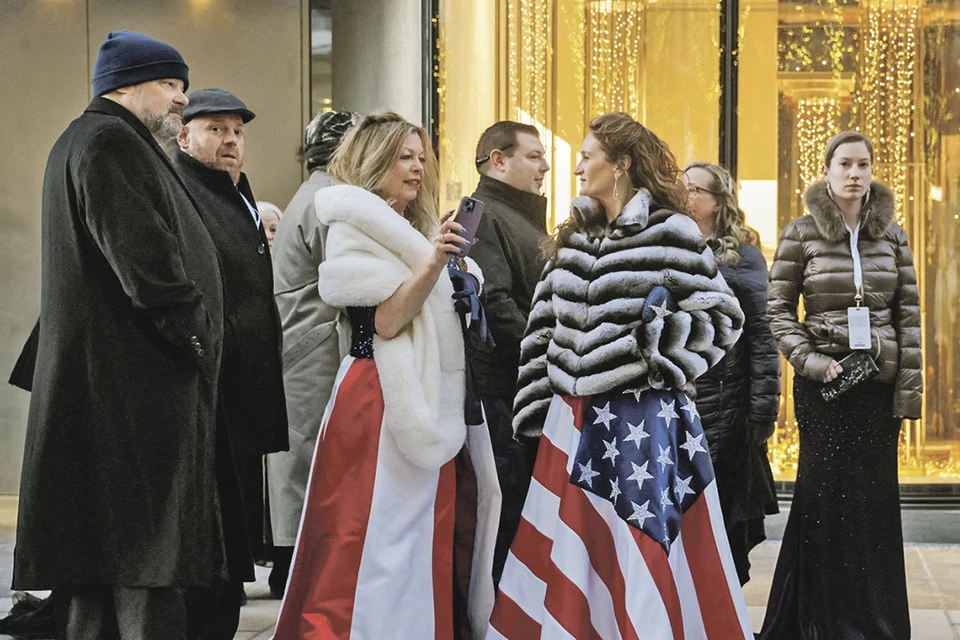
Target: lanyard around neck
(857, 266)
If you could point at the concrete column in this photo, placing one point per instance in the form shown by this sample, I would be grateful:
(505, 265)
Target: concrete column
(377, 56)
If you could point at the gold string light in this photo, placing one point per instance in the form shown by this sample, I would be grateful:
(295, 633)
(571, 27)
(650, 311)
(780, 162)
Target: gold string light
(817, 120)
(885, 89)
(614, 59)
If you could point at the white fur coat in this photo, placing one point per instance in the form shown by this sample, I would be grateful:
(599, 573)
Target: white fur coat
(371, 251)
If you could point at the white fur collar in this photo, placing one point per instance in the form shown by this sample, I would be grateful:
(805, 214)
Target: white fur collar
(370, 252)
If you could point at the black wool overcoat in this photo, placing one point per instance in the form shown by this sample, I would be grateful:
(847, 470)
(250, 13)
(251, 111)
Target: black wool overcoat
(251, 382)
(118, 483)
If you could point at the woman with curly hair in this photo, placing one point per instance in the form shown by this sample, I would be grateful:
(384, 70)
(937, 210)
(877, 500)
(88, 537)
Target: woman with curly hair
(621, 533)
(739, 397)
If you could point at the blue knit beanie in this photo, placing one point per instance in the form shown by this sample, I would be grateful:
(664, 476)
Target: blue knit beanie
(127, 58)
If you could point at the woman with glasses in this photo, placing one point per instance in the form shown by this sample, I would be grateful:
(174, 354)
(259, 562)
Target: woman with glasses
(840, 573)
(619, 534)
(739, 397)
(374, 556)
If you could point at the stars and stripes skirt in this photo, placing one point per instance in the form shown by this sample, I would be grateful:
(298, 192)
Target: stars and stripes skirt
(621, 535)
(375, 553)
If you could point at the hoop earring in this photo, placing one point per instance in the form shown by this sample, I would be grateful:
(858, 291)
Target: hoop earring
(829, 190)
(616, 185)
(866, 198)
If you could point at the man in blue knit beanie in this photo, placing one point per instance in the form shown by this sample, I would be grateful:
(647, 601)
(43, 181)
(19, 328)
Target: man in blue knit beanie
(118, 498)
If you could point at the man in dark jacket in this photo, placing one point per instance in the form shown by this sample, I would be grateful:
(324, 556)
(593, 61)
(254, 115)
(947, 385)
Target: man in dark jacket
(118, 490)
(511, 161)
(252, 410)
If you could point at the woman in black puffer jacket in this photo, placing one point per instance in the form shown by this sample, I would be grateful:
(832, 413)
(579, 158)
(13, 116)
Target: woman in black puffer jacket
(738, 398)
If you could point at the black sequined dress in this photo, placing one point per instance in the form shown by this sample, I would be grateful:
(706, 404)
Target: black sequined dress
(840, 573)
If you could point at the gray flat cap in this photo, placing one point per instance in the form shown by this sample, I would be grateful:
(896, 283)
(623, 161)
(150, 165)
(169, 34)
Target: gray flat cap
(205, 102)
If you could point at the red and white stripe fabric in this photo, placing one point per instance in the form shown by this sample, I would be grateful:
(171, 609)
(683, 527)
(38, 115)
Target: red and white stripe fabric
(577, 570)
(374, 556)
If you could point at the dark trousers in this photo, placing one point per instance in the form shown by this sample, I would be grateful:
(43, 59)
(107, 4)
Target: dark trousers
(213, 613)
(105, 613)
(514, 462)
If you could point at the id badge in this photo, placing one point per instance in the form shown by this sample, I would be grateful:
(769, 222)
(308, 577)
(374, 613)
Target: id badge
(858, 322)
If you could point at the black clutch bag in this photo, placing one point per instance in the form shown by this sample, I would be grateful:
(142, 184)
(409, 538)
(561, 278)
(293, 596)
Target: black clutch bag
(857, 367)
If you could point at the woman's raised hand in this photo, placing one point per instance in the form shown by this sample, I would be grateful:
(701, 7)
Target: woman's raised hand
(447, 240)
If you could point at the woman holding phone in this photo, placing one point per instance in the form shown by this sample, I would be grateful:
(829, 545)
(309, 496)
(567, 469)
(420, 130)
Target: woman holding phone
(840, 573)
(375, 552)
(621, 534)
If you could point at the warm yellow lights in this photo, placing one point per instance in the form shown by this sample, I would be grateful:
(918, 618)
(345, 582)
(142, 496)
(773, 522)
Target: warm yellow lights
(614, 56)
(885, 90)
(817, 120)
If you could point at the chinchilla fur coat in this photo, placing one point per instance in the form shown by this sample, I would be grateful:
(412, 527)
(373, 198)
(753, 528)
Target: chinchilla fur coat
(589, 331)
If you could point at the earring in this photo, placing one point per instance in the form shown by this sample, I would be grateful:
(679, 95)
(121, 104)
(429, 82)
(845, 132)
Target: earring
(829, 190)
(616, 185)
(866, 198)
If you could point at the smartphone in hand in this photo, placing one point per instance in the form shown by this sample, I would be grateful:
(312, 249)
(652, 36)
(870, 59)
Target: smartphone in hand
(468, 215)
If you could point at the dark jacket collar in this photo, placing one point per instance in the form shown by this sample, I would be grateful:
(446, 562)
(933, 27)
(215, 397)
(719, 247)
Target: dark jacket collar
(215, 179)
(109, 107)
(876, 216)
(531, 206)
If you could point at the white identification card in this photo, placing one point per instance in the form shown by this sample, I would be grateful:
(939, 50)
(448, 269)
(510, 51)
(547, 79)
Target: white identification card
(858, 321)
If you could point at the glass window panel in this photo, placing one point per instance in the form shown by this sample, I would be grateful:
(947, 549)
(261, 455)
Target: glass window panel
(891, 69)
(321, 54)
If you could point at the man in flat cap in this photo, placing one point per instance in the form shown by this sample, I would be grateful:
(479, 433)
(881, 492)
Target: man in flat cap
(118, 495)
(252, 412)
(313, 352)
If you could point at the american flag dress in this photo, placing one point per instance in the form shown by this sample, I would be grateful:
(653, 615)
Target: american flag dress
(621, 535)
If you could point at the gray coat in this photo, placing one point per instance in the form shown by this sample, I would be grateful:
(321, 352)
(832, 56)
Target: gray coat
(313, 346)
(118, 484)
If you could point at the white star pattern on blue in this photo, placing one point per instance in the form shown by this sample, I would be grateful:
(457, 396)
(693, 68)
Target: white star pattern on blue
(587, 474)
(612, 452)
(682, 488)
(640, 473)
(637, 434)
(636, 393)
(668, 411)
(650, 483)
(692, 445)
(604, 416)
(614, 490)
(691, 409)
(640, 512)
(661, 309)
(664, 458)
(665, 500)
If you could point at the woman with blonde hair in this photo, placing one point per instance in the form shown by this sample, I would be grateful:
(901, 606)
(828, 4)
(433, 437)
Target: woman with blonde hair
(619, 535)
(840, 572)
(374, 556)
(739, 397)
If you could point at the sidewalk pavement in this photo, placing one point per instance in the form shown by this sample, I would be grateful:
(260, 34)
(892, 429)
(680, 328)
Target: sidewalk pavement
(933, 586)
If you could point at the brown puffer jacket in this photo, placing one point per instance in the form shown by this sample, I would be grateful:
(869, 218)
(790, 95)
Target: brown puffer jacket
(814, 259)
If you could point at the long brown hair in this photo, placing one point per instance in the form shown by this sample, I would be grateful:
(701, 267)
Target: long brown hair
(652, 167)
(368, 154)
(730, 228)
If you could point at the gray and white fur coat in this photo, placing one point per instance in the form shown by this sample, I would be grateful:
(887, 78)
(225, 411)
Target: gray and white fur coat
(585, 334)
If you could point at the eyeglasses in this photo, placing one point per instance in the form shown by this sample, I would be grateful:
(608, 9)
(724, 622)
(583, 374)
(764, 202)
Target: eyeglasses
(693, 191)
(480, 161)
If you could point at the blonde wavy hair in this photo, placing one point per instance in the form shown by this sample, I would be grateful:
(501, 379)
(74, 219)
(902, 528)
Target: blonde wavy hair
(652, 166)
(730, 228)
(368, 154)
